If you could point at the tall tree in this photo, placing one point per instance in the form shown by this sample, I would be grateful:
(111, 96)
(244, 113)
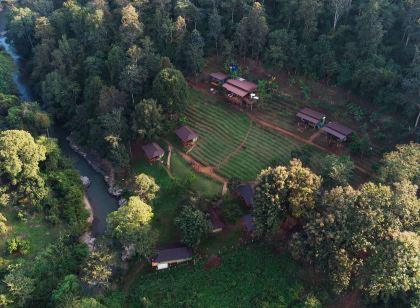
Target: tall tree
(147, 119)
(215, 27)
(131, 28)
(340, 8)
(195, 53)
(146, 187)
(193, 225)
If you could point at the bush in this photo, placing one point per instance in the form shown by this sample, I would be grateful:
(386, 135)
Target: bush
(3, 225)
(18, 246)
(231, 210)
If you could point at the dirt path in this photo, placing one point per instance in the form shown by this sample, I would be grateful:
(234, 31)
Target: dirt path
(314, 136)
(238, 148)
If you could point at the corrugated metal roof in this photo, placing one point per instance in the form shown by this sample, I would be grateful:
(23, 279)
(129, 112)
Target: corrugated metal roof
(153, 150)
(248, 222)
(312, 113)
(215, 220)
(174, 254)
(307, 118)
(185, 133)
(334, 133)
(245, 85)
(235, 90)
(344, 130)
(219, 76)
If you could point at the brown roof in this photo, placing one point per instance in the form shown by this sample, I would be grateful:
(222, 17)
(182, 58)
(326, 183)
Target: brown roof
(185, 133)
(307, 118)
(235, 90)
(334, 133)
(173, 254)
(340, 128)
(215, 220)
(245, 85)
(153, 150)
(219, 76)
(312, 113)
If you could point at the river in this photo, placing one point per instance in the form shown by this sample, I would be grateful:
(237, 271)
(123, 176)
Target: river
(101, 202)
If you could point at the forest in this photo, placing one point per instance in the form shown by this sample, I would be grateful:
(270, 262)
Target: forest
(118, 74)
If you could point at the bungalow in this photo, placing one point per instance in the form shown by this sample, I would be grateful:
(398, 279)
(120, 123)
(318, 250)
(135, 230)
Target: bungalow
(311, 117)
(241, 91)
(215, 221)
(174, 255)
(186, 135)
(337, 131)
(218, 78)
(153, 152)
(248, 223)
(246, 193)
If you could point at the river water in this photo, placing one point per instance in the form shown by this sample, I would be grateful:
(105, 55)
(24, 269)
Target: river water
(101, 202)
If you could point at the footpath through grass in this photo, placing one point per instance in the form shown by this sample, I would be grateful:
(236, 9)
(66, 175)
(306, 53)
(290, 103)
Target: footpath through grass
(249, 276)
(231, 142)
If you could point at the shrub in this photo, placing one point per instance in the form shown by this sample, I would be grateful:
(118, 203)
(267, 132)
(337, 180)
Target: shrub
(3, 225)
(18, 246)
(231, 210)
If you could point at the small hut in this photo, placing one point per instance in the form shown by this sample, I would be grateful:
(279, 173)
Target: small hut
(311, 117)
(174, 255)
(218, 79)
(246, 193)
(241, 91)
(153, 152)
(215, 222)
(248, 224)
(337, 131)
(187, 136)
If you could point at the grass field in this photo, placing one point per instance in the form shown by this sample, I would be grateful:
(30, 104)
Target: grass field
(249, 276)
(231, 142)
(166, 205)
(39, 233)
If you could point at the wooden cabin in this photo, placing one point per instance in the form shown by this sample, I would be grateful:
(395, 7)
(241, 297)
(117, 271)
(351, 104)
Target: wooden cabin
(187, 136)
(240, 91)
(311, 117)
(246, 193)
(337, 131)
(218, 79)
(215, 222)
(170, 256)
(153, 152)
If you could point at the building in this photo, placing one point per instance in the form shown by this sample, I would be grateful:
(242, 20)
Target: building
(241, 91)
(337, 131)
(246, 193)
(248, 223)
(187, 136)
(173, 255)
(218, 79)
(311, 117)
(153, 152)
(215, 222)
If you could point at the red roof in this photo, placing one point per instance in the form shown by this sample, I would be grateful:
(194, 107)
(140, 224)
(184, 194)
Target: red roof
(185, 133)
(337, 130)
(307, 118)
(245, 85)
(235, 90)
(219, 76)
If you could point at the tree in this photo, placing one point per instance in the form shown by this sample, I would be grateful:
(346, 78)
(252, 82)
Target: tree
(340, 8)
(111, 98)
(336, 170)
(394, 269)
(193, 225)
(146, 187)
(97, 269)
(22, 28)
(194, 53)
(307, 13)
(251, 31)
(20, 156)
(131, 28)
(215, 28)
(369, 30)
(282, 49)
(19, 285)
(130, 225)
(406, 205)
(69, 289)
(401, 164)
(147, 119)
(170, 90)
(303, 186)
(270, 195)
(3, 225)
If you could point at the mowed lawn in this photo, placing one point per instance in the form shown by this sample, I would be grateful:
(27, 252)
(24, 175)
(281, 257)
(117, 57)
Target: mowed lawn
(249, 276)
(231, 142)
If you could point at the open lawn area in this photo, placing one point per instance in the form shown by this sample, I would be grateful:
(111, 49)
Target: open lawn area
(249, 276)
(231, 142)
(166, 205)
(35, 230)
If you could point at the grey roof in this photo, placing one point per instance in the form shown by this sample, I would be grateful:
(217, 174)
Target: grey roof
(185, 133)
(173, 254)
(312, 113)
(153, 150)
(215, 220)
(219, 76)
(248, 222)
(340, 128)
(246, 191)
